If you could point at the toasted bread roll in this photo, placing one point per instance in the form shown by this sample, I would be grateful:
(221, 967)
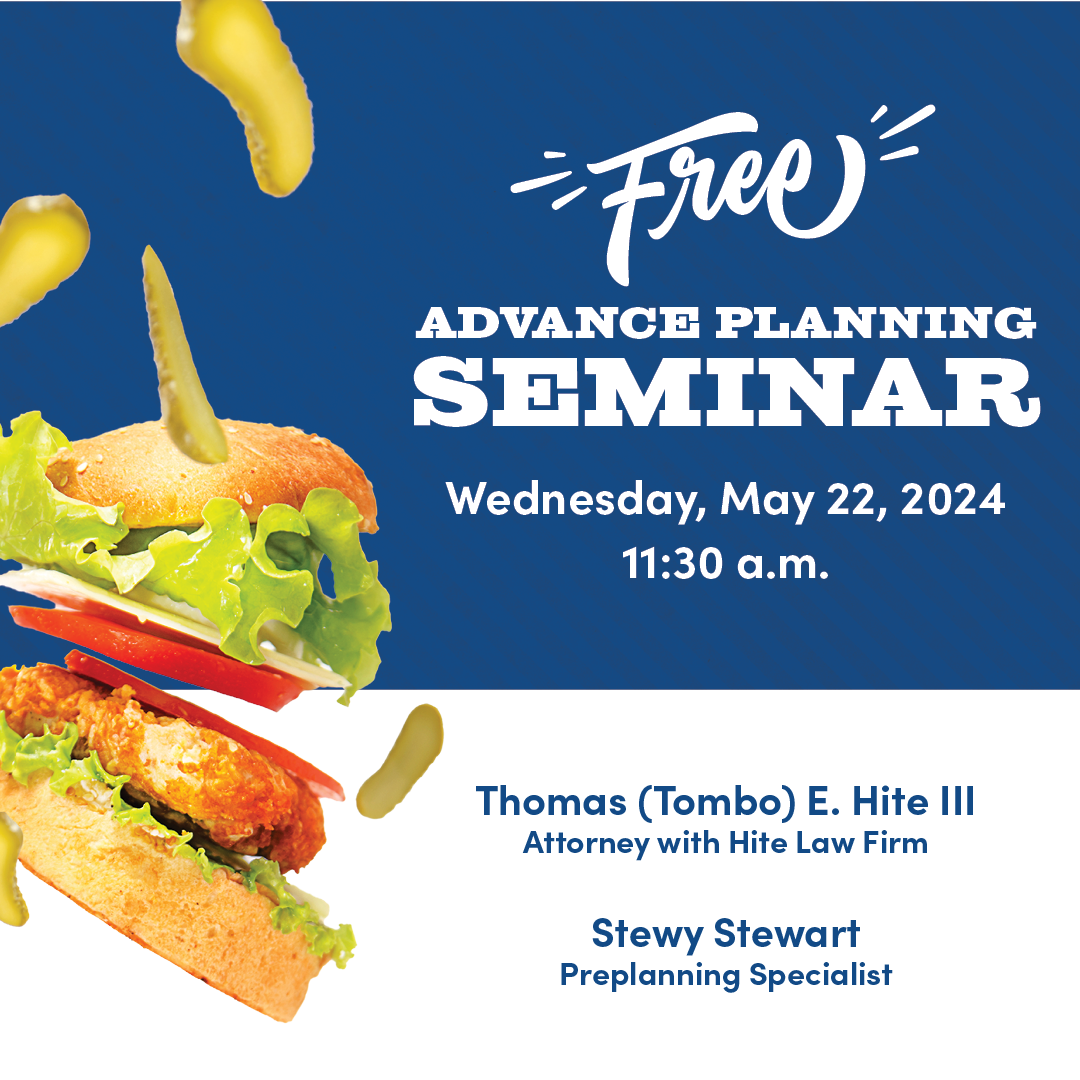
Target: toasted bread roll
(217, 931)
(158, 485)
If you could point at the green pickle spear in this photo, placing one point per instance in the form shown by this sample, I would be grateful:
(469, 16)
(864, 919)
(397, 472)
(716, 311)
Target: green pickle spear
(418, 745)
(12, 906)
(190, 421)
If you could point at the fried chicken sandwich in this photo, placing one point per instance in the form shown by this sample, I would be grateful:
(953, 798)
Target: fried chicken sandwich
(161, 818)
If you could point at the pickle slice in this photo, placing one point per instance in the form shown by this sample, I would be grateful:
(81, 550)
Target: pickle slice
(235, 46)
(12, 906)
(190, 421)
(417, 746)
(43, 241)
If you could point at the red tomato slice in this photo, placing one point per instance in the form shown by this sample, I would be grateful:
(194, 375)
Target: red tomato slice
(211, 670)
(325, 787)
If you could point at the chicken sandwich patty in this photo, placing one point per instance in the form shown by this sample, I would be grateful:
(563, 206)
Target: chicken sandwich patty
(191, 776)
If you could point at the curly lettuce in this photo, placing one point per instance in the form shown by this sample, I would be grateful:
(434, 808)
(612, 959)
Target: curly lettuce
(292, 914)
(236, 580)
(22, 756)
(41, 526)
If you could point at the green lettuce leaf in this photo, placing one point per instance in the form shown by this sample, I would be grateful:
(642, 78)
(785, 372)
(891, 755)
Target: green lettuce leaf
(41, 526)
(240, 582)
(268, 591)
(201, 568)
(22, 756)
(142, 817)
(292, 914)
(342, 632)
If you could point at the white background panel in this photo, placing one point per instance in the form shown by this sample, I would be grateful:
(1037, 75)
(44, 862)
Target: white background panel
(461, 935)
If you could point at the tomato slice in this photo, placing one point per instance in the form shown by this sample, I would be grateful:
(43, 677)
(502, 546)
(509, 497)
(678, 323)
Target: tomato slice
(211, 670)
(325, 787)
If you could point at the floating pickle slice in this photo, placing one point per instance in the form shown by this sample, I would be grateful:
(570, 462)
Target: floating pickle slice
(235, 46)
(417, 746)
(43, 241)
(12, 906)
(190, 421)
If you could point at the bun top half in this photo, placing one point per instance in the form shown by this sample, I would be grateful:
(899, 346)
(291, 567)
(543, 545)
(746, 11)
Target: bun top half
(158, 485)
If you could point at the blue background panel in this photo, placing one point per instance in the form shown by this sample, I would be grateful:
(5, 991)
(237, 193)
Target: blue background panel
(304, 311)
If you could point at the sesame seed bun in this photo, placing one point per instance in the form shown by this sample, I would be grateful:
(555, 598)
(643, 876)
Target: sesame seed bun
(159, 486)
(216, 930)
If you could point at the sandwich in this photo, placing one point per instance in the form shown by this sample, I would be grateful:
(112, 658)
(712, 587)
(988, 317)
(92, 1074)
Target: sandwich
(166, 821)
(143, 818)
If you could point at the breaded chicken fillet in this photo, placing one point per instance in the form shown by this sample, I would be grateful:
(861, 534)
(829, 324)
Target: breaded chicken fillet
(192, 777)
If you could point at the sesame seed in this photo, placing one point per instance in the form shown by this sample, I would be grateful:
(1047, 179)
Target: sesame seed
(81, 467)
(231, 430)
(99, 457)
(247, 498)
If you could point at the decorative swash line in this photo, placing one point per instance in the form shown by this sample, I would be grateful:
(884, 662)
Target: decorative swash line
(543, 181)
(911, 121)
(558, 204)
(540, 181)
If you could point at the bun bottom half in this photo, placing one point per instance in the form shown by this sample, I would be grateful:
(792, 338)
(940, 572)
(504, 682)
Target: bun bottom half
(217, 930)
